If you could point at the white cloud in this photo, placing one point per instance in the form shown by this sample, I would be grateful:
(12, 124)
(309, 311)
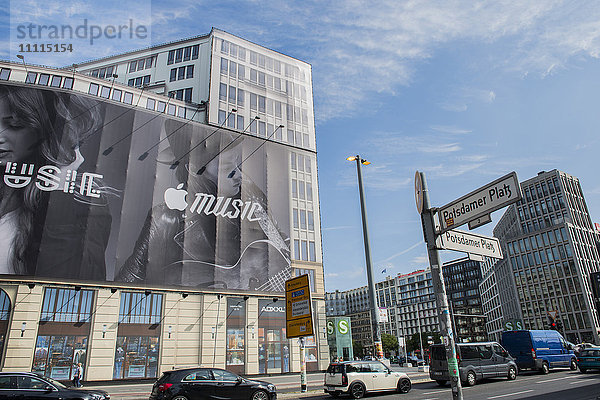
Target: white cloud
(420, 260)
(450, 129)
(387, 260)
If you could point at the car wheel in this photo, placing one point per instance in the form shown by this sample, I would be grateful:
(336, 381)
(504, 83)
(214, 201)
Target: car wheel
(179, 398)
(404, 385)
(512, 373)
(260, 395)
(545, 368)
(357, 390)
(471, 378)
(573, 364)
(582, 370)
(441, 383)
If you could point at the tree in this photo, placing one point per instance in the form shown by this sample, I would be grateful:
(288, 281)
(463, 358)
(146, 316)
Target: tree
(390, 343)
(412, 343)
(358, 349)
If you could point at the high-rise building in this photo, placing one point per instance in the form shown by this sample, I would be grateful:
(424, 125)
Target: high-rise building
(161, 224)
(550, 248)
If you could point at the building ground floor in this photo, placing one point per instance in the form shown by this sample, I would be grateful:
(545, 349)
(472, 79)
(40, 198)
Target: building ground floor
(122, 333)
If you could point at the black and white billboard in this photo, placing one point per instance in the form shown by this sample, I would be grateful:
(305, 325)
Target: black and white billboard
(93, 190)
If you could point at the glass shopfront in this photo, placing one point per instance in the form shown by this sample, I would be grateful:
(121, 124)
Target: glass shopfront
(136, 357)
(273, 347)
(138, 336)
(63, 332)
(5, 308)
(235, 323)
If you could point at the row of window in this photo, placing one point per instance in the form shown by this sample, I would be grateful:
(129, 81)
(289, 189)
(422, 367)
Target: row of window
(263, 61)
(305, 250)
(56, 81)
(300, 163)
(183, 54)
(302, 190)
(182, 94)
(528, 243)
(180, 73)
(303, 219)
(139, 81)
(141, 64)
(238, 71)
(104, 72)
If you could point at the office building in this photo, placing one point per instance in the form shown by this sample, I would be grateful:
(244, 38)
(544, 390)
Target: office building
(551, 248)
(161, 235)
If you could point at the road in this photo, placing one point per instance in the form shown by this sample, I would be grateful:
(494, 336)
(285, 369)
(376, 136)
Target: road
(558, 385)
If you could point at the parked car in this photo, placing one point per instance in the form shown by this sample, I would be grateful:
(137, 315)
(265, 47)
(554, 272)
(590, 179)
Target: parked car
(589, 359)
(415, 361)
(29, 385)
(357, 378)
(476, 361)
(209, 383)
(539, 349)
(578, 348)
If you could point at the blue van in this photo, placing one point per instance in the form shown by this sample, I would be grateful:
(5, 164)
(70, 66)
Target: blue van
(540, 350)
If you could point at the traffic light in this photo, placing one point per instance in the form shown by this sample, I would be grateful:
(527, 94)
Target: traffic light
(553, 325)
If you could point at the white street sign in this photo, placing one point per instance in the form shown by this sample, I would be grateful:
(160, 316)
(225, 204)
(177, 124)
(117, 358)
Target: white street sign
(469, 243)
(491, 197)
(383, 314)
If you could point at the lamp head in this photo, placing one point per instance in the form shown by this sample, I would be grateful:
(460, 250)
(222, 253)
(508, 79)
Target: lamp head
(352, 158)
(365, 162)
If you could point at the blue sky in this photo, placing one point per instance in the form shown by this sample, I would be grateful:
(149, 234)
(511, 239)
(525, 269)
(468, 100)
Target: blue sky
(465, 91)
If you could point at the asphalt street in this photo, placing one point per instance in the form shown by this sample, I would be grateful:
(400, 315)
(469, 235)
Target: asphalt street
(558, 385)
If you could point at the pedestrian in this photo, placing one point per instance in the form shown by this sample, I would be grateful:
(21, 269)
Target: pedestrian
(78, 375)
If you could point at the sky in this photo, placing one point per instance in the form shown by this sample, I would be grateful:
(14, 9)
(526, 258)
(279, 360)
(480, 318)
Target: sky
(464, 91)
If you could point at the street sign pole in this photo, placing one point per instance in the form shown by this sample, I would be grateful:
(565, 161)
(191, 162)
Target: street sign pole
(427, 220)
(302, 365)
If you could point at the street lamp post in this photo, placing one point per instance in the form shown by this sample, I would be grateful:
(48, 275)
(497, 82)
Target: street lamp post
(377, 345)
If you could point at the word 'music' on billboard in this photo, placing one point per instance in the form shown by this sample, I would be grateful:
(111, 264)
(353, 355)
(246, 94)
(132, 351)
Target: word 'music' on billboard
(96, 191)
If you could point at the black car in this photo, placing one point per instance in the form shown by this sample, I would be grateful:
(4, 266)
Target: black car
(28, 385)
(209, 383)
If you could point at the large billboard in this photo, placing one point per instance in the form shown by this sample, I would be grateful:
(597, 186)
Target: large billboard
(94, 190)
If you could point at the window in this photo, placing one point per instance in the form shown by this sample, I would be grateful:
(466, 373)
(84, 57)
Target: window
(295, 218)
(222, 91)
(199, 375)
(241, 72)
(195, 51)
(116, 95)
(171, 57)
(173, 75)
(187, 53)
(222, 116)
(240, 122)
(311, 221)
(178, 55)
(56, 81)
(68, 83)
(93, 89)
(296, 249)
(253, 102)
(128, 98)
(180, 73)
(44, 79)
(240, 97)
(150, 104)
(105, 91)
(31, 77)
(4, 74)
(232, 93)
(187, 94)
(312, 256)
(304, 251)
(224, 65)
(161, 106)
(303, 219)
(294, 189)
(301, 192)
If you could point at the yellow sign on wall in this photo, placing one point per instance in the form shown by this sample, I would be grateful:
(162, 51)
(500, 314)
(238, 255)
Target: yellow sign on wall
(298, 307)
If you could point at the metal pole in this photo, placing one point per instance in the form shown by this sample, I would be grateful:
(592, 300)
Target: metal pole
(377, 345)
(420, 336)
(428, 222)
(302, 365)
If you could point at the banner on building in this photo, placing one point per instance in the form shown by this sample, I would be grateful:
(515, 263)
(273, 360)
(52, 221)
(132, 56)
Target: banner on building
(101, 191)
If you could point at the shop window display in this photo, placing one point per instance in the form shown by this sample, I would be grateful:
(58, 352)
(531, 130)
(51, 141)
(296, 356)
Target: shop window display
(57, 356)
(136, 357)
(5, 308)
(236, 321)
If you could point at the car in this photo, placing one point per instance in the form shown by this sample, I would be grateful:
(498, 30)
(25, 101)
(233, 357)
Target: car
(588, 358)
(578, 348)
(476, 361)
(357, 378)
(415, 361)
(29, 385)
(539, 350)
(201, 383)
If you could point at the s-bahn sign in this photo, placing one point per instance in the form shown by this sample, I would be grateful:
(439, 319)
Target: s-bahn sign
(491, 197)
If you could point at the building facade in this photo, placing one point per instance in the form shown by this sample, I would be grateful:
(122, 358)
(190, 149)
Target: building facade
(147, 166)
(551, 250)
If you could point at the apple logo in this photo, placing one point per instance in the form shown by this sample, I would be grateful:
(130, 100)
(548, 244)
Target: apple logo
(175, 198)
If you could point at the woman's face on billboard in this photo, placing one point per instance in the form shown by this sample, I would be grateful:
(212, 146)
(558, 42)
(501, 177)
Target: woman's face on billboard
(17, 140)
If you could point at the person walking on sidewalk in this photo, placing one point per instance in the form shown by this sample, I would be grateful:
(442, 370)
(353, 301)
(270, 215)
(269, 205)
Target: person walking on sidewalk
(78, 375)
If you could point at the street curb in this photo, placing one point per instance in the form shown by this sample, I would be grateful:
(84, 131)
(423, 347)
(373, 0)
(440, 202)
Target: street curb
(316, 392)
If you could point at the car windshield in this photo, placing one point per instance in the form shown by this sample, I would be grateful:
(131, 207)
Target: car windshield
(54, 382)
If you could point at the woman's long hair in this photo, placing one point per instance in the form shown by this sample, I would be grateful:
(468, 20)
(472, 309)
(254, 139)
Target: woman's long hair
(60, 121)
